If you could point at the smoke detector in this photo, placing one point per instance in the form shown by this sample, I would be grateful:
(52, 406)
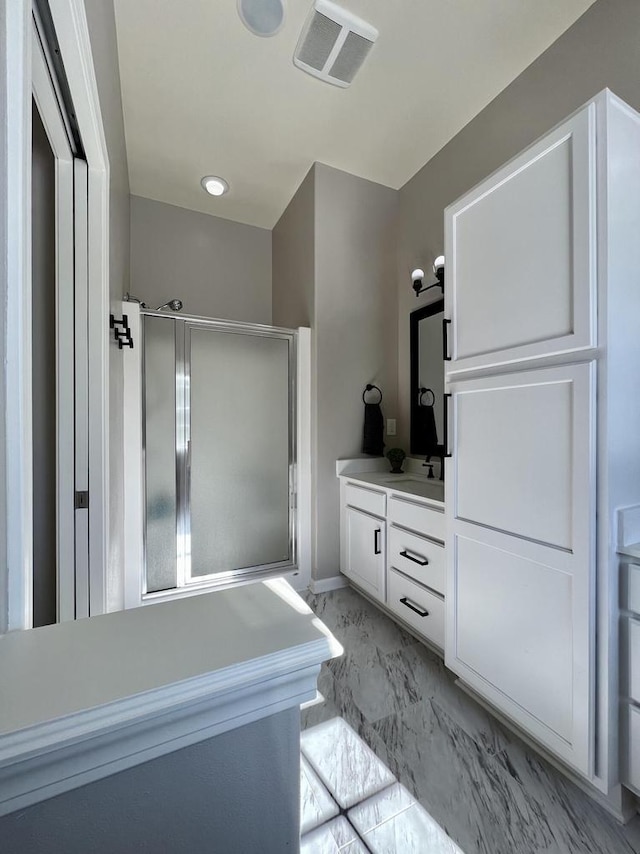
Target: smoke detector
(333, 44)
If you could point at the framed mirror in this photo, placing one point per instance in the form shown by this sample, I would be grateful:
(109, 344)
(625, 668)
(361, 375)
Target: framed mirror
(427, 375)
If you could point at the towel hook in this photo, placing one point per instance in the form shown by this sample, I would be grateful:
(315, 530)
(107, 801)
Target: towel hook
(425, 391)
(370, 387)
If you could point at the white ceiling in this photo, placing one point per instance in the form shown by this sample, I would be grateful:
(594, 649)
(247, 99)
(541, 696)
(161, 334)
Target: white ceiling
(202, 95)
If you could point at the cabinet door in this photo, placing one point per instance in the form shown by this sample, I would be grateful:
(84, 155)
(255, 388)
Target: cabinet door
(520, 251)
(520, 529)
(365, 551)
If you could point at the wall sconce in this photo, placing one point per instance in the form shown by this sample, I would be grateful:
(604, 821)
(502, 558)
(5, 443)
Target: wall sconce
(418, 275)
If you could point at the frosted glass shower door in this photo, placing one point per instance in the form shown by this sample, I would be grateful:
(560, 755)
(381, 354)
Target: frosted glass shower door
(160, 453)
(240, 450)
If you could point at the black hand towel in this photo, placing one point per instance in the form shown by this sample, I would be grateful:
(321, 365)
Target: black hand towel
(373, 432)
(427, 433)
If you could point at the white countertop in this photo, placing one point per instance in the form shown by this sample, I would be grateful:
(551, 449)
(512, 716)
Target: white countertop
(412, 482)
(54, 671)
(168, 674)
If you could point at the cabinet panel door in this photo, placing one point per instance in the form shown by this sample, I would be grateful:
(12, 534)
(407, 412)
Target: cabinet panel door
(520, 251)
(522, 451)
(521, 530)
(365, 551)
(515, 621)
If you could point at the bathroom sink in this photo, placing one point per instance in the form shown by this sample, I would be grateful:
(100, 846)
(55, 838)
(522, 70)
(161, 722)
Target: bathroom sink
(415, 484)
(410, 482)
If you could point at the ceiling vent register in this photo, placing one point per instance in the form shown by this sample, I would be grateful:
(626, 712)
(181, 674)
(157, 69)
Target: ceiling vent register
(333, 44)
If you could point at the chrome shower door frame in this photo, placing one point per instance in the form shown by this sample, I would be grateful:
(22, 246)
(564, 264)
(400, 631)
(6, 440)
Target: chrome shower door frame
(186, 582)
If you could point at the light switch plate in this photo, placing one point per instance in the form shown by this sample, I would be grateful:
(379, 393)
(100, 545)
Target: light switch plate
(391, 426)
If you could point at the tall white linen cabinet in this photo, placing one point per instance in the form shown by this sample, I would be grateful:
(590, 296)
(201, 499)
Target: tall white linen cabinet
(542, 298)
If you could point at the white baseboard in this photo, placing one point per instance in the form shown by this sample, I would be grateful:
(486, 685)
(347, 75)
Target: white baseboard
(324, 585)
(317, 700)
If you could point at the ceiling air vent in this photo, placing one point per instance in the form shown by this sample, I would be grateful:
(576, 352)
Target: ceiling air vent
(333, 44)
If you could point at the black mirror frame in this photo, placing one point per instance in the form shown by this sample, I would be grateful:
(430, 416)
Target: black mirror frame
(414, 350)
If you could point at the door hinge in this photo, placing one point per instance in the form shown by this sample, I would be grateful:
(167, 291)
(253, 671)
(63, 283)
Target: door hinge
(82, 500)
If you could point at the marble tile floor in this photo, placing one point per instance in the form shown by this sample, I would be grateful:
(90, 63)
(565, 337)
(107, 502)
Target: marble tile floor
(490, 792)
(350, 803)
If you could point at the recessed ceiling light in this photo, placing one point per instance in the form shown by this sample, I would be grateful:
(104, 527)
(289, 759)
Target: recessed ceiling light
(214, 186)
(263, 17)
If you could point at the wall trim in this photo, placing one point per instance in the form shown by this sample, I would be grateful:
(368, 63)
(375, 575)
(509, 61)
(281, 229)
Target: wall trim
(54, 757)
(326, 585)
(304, 500)
(15, 268)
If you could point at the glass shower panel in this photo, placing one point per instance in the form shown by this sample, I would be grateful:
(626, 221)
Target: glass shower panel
(240, 450)
(160, 452)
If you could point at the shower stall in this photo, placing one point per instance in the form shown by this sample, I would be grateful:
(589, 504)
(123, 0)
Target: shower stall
(218, 441)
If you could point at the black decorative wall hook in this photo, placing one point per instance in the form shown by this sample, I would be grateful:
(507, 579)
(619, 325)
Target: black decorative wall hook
(121, 331)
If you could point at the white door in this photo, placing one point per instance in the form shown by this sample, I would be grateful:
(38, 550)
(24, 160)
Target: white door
(366, 547)
(520, 516)
(71, 342)
(520, 251)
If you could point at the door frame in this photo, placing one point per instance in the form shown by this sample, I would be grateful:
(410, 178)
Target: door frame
(16, 506)
(47, 104)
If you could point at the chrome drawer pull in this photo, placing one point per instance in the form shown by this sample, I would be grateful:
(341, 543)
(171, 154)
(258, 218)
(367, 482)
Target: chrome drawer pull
(423, 562)
(419, 611)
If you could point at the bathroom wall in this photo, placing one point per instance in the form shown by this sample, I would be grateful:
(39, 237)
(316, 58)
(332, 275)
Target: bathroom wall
(294, 259)
(334, 266)
(237, 792)
(217, 267)
(355, 261)
(104, 46)
(600, 50)
(293, 245)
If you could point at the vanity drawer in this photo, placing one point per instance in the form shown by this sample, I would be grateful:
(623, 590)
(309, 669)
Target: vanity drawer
(632, 634)
(422, 610)
(418, 517)
(631, 588)
(417, 557)
(631, 750)
(365, 499)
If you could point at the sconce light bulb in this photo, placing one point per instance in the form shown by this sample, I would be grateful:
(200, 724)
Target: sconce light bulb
(417, 275)
(439, 262)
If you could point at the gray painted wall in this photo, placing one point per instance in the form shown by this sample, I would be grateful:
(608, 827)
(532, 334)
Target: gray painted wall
(293, 247)
(335, 267)
(218, 268)
(356, 311)
(294, 259)
(238, 792)
(600, 50)
(104, 46)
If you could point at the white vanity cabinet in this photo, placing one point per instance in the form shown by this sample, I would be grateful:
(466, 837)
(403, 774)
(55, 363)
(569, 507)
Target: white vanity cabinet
(543, 280)
(521, 270)
(392, 550)
(524, 552)
(363, 537)
(630, 675)
(365, 550)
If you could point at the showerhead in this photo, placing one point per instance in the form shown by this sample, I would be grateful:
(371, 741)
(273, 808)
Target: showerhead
(173, 304)
(130, 298)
